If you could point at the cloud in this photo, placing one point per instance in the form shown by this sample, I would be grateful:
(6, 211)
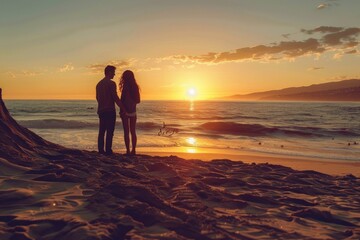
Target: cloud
(144, 65)
(327, 4)
(23, 73)
(11, 74)
(337, 41)
(336, 35)
(120, 64)
(340, 54)
(354, 51)
(348, 37)
(67, 68)
(315, 68)
(28, 73)
(326, 39)
(322, 29)
(286, 35)
(150, 69)
(322, 6)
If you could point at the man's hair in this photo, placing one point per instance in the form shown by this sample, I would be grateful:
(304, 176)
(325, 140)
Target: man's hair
(109, 69)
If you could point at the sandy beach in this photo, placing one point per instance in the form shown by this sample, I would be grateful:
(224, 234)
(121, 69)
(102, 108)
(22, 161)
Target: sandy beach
(52, 192)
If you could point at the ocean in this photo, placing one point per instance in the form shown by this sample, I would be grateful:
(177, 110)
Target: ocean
(324, 130)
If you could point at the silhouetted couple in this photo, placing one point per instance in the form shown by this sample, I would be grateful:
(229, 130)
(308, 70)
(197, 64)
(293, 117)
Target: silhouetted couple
(106, 96)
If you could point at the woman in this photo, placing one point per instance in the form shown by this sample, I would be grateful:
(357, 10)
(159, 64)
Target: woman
(130, 97)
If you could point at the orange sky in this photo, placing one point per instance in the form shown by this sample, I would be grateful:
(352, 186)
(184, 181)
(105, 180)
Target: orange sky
(57, 50)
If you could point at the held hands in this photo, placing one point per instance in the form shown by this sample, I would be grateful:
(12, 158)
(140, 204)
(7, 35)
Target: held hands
(123, 112)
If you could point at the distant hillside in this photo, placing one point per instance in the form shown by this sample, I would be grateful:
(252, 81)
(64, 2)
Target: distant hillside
(346, 90)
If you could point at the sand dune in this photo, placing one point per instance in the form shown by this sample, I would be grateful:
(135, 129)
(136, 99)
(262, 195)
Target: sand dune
(51, 192)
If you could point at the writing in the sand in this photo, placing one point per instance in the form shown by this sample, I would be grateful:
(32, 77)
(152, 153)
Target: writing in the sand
(167, 131)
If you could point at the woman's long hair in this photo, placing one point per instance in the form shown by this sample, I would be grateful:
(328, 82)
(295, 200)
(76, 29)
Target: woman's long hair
(129, 87)
(128, 80)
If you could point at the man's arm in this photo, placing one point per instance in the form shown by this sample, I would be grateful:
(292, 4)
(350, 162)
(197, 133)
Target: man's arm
(116, 97)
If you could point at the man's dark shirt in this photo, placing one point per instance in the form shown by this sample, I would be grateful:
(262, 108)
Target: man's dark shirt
(106, 95)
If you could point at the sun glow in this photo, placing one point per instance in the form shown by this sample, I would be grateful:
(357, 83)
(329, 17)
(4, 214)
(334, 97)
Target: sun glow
(191, 150)
(191, 93)
(191, 141)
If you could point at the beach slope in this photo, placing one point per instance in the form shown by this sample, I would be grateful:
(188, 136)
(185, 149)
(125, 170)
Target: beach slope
(51, 192)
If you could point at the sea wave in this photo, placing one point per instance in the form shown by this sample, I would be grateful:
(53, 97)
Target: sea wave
(76, 124)
(215, 117)
(57, 124)
(330, 132)
(149, 125)
(240, 129)
(34, 110)
(350, 109)
(247, 129)
(342, 132)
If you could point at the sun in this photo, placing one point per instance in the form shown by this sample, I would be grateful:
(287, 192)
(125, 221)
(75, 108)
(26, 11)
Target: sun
(191, 141)
(191, 92)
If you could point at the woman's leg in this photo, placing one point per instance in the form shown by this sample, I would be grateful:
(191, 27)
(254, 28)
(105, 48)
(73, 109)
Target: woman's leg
(125, 123)
(133, 134)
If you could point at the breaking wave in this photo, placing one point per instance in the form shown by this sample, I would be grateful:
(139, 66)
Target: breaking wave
(261, 130)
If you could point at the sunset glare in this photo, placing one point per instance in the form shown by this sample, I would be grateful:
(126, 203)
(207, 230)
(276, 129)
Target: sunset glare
(191, 141)
(191, 93)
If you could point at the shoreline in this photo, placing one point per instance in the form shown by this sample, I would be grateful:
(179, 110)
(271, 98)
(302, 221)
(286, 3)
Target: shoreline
(327, 166)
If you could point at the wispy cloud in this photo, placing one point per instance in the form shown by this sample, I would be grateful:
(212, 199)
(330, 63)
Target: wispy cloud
(67, 68)
(323, 39)
(23, 73)
(99, 67)
(11, 74)
(287, 35)
(150, 69)
(30, 73)
(322, 29)
(340, 54)
(354, 51)
(315, 42)
(327, 4)
(322, 6)
(337, 36)
(315, 68)
(144, 65)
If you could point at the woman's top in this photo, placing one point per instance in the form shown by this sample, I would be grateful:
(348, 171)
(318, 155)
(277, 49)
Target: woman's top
(130, 96)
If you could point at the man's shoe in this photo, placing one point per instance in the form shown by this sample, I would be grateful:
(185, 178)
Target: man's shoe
(108, 153)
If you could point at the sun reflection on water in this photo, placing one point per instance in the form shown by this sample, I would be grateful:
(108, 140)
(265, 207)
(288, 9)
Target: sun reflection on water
(192, 106)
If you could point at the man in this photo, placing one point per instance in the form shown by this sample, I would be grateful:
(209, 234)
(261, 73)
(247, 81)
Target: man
(106, 97)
